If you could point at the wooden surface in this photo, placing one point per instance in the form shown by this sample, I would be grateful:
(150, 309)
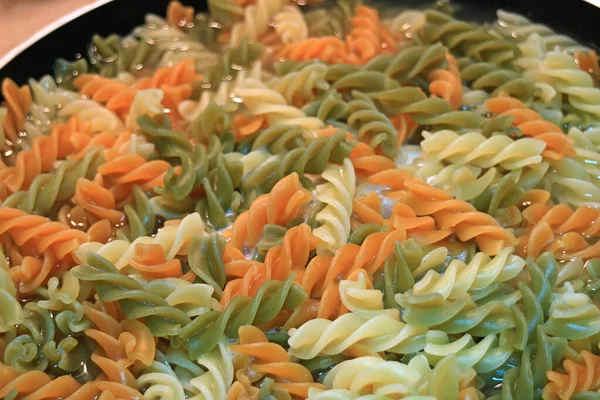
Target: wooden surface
(20, 19)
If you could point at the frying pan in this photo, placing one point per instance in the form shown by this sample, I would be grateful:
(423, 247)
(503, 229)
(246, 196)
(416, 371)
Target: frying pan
(577, 18)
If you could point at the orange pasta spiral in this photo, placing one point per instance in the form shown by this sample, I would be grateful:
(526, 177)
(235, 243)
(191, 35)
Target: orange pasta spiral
(577, 378)
(285, 202)
(558, 145)
(447, 84)
(367, 162)
(280, 261)
(120, 345)
(323, 273)
(132, 169)
(44, 152)
(178, 15)
(98, 201)
(559, 229)
(17, 101)
(449, 213)
(151, 262)
(329, 49)
(258, 359)
(364, 39)
(40, 234)
(37, 385)
(117, 96)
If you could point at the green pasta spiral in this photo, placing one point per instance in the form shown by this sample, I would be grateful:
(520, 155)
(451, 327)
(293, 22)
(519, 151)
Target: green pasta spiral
(467, 40)
(276, 139)
(136, 302)
(206, 260)
(141, 220)
(202, 334)
(47, 190)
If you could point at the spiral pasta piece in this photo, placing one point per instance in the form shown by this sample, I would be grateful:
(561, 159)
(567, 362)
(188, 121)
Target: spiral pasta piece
(18, 103)
(39, 233)
(379, 333)
(271, 360)
(260, 100)
(44, 152)
(290, 24)
(576, 379)
(173, 238)
(337, 194)
(475, 149)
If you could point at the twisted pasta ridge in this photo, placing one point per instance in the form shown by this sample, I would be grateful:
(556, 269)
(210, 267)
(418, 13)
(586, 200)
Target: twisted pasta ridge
(572, 315)
(117, 96)
(435, 112)
(353, 331)
(291, 256)
(448, 213)
(323, 272)
(411, 63)
(447, 85)
(162, 318)
(123, 344)
(174, 238)
(337, 194)
(202, 333)
(484, 356)
(280, 206)
(460, 277)
(44, 152)
(113, 55)
(367, 37)
(329, 106)
(576, 379)
(65, 72)
(48, 189)
(40, 234)
(495, 80)
(149, 260)
(99, 118)
(11, 312)
(17, 101)
(366, 161)
(533, 125)
(291, 26)
(97, 200)
(266, 359)
(255, 20)
(372, 124)
(260, 100)
(561, 71)
(517, 27)
(475, 149)
(406, 261)
(372, 376)
(297, 87)
(276, 139)
(465, 39)
(141, 219)
(312, 159)
(329, 49)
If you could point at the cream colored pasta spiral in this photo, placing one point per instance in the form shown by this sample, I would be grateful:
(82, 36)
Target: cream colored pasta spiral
(337, 193)
(379, 333)
(221, 95)
(100, 118)
(301, 83)
(256, 20)
(145, 102)
(475, 149)
(214, 383)
(160, 385)
(375, 376)
(480, 272)
(290, 25)
(562, 72)
(359, 299)
(483, 356)
(260, 100)
(136, 144)
(407, 23)
(463, 181)
(173, 238)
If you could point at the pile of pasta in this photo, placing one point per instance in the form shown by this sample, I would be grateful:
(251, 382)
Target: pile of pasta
(272, 200)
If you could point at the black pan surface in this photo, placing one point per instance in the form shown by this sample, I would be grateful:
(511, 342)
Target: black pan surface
(576, 18)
